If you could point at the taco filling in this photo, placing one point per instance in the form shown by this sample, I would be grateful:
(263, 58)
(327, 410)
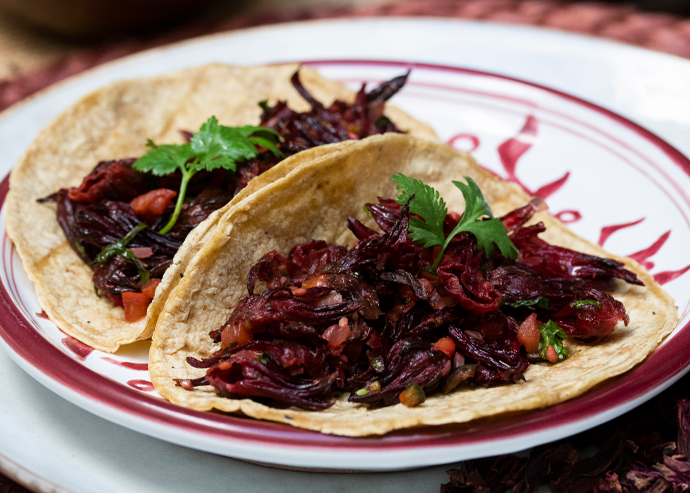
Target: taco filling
(434, 301)
(129, 217)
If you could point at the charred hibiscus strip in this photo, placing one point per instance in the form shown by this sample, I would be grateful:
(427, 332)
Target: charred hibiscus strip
(115, 196)
(247, 376)
(379, 322)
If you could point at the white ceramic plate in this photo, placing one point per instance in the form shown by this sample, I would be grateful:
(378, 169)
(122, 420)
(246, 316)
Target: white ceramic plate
(617, 173)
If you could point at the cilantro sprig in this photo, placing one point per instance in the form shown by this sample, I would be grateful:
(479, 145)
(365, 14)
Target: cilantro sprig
(430, 206)
(213, 146)
(552, 335)
(120, 248)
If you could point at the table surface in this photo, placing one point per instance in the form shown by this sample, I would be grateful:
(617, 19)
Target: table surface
(31, 60)
(28, 62)
(24, 49)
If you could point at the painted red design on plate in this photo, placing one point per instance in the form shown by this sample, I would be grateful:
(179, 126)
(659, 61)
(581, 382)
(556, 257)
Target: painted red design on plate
(80, 350)
(456, 141)
(512, 150)
(569, 216)
(551, 188)
(607, 231)
(127, 364)
(643, 255)
(143, 385)
(669, 275)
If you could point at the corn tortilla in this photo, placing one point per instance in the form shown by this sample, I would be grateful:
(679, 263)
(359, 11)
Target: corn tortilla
(114, 122)
(314, 201)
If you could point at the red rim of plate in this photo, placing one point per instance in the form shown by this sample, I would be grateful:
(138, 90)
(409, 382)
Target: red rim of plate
(663, 366)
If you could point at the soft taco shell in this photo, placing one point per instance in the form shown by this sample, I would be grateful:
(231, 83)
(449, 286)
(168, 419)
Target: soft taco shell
(114, 122)
(314, 201)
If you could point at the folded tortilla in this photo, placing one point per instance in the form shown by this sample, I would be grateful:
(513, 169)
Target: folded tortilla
(114, 122)
(314, 201)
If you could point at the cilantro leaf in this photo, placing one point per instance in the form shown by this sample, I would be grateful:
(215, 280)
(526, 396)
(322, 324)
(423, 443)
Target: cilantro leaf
(218, 146)
(430, 206)
(120, 248)
(552, 335)
(475, 205)
(164, 159)
(541, 302)
(490, 232)
(486, 232)
(213, 146)
(580, 304)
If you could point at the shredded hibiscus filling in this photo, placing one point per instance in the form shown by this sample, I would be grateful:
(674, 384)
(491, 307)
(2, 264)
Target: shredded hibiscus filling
(376, 322)
(114, 198)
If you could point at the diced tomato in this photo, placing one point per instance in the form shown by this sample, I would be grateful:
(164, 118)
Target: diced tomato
(338, 333)
(528, 334)
(298, 291)
(236, 333)
(141, 252)
(152, 204)
(316, 282)
(445, 345)
(551, 354)
(135, 305)
(149, 289)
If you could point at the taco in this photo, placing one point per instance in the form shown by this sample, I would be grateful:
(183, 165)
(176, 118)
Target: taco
(215, 347)
(61, 251)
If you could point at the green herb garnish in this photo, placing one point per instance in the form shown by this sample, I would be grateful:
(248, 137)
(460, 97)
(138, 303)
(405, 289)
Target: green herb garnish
(552, 335)
(362, 392)
(213, 146)
(376, 362)
(430, 206)
(382, 122)
(580, 304)
(541, 302)
(120, 248)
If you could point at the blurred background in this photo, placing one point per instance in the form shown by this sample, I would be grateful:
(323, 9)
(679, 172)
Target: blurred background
(43, 41)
